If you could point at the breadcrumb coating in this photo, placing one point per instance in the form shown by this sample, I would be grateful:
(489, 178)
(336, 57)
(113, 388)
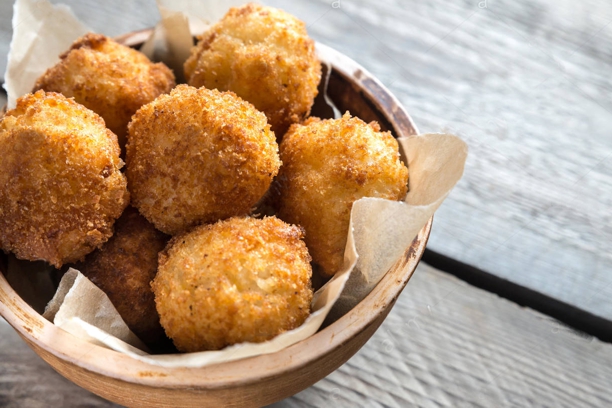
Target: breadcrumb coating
(239, 280)
(265, 56)
(109, 78)
(124, 267)
(60, 185)
(328, 165)
(197, 156)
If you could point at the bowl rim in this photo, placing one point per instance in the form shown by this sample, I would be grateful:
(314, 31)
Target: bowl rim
(45, 335)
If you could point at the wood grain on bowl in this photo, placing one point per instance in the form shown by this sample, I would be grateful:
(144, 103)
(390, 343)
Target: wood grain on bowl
(254, 381)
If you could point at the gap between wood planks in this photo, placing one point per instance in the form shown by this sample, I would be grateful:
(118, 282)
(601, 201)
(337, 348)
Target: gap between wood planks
(571, 316)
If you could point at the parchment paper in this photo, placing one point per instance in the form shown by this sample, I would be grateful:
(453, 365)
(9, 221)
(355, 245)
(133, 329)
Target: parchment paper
(41, 32)
(384, 229)
(79, 301)
(380, 231)
(82, 309)
(172, 38)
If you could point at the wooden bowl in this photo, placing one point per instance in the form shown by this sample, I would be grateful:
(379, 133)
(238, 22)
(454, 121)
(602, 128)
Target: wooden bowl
(254, 381)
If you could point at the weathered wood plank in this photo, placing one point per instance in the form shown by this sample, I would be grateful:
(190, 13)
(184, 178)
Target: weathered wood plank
(445, 344)
(27, 381)
(6, 32)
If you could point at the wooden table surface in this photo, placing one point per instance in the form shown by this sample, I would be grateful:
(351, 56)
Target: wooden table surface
(527, 84)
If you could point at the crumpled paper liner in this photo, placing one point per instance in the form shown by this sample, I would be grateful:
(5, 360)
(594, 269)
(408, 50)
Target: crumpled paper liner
(380, 231)
(41, 32)
(81, 308)
(78, 304)
(383, 229)
(172, 38)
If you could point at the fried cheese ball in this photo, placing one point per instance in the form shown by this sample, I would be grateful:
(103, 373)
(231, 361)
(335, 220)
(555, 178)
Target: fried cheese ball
(327, 165)
(265, 56)
(60, 185)
(124, 267)
(239, 280)
(109, 78)
(198, 155)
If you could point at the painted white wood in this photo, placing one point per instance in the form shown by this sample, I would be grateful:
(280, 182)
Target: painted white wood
(27, 381)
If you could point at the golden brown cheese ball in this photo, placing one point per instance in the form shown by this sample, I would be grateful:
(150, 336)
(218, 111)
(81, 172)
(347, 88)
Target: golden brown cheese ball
(111, 79)
(239, 280)
(60, 185)
(124, 268)
(265, 56)
(198, 155)
(327, 165)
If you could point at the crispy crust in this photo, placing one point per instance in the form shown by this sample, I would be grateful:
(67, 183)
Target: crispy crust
(265, 56)
(239, 280)
(198, 155)
(60, 185)
(124, 268)
(327, 165)
(111, 79)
